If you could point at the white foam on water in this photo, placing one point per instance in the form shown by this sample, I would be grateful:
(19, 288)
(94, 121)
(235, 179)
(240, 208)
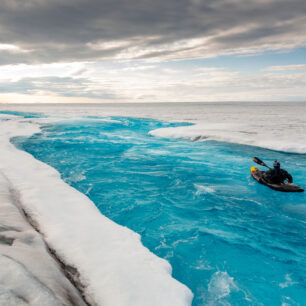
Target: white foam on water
(76, 177)
(288, 301)
(299, 209)
(157, 152)
(115, 268)
(202, 189)
(288, 282)
(220, 286)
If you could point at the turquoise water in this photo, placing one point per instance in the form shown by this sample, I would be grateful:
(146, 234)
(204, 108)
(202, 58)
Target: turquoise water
(228, 238)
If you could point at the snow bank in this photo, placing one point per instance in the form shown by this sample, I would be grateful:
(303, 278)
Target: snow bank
(7, 116)
(29, 274)
(265, 135)
(114, 267)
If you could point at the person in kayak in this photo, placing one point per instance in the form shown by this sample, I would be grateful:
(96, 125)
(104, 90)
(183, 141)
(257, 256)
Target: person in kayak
(277, 175)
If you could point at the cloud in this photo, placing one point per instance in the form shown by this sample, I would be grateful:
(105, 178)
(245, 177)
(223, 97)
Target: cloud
(56, 86)
(287, 68)
(181, 83)
(8, 47)
(94, 30)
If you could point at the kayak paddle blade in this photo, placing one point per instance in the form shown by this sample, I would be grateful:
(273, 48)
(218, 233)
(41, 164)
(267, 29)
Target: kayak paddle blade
(259, 162)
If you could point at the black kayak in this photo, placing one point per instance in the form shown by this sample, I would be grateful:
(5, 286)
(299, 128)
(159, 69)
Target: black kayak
(285, 187)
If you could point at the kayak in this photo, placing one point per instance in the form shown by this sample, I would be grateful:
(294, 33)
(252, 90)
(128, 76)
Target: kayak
(285, 187)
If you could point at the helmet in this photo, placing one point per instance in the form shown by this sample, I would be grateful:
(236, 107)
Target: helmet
(276, 164)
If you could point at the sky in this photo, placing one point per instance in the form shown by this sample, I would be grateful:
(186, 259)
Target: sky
(152, 51)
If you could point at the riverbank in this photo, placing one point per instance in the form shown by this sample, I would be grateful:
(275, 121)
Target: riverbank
(30, 274)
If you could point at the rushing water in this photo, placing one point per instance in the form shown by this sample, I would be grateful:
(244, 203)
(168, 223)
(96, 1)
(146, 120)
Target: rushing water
(230, 239)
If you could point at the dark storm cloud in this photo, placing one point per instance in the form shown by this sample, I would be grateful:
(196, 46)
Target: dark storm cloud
(71, 30)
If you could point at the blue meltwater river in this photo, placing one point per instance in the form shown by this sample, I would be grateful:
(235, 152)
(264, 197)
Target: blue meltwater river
(228, 238)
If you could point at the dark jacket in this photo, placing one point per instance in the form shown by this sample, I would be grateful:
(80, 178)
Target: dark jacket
(277, 176)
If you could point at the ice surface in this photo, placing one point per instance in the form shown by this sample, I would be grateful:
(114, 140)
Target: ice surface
(114, 267)
(270, 137)
(278, 126)
(28, 273)
(7, 116)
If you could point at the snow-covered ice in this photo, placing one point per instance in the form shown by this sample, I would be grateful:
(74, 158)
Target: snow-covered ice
(29, 274)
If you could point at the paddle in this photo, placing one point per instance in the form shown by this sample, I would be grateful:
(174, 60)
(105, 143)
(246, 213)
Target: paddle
(260, 162)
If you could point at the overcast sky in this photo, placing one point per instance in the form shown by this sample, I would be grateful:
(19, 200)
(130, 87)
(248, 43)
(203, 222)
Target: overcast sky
(161, 50)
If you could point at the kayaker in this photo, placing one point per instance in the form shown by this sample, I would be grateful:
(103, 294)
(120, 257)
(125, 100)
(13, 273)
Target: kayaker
(277, 175)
